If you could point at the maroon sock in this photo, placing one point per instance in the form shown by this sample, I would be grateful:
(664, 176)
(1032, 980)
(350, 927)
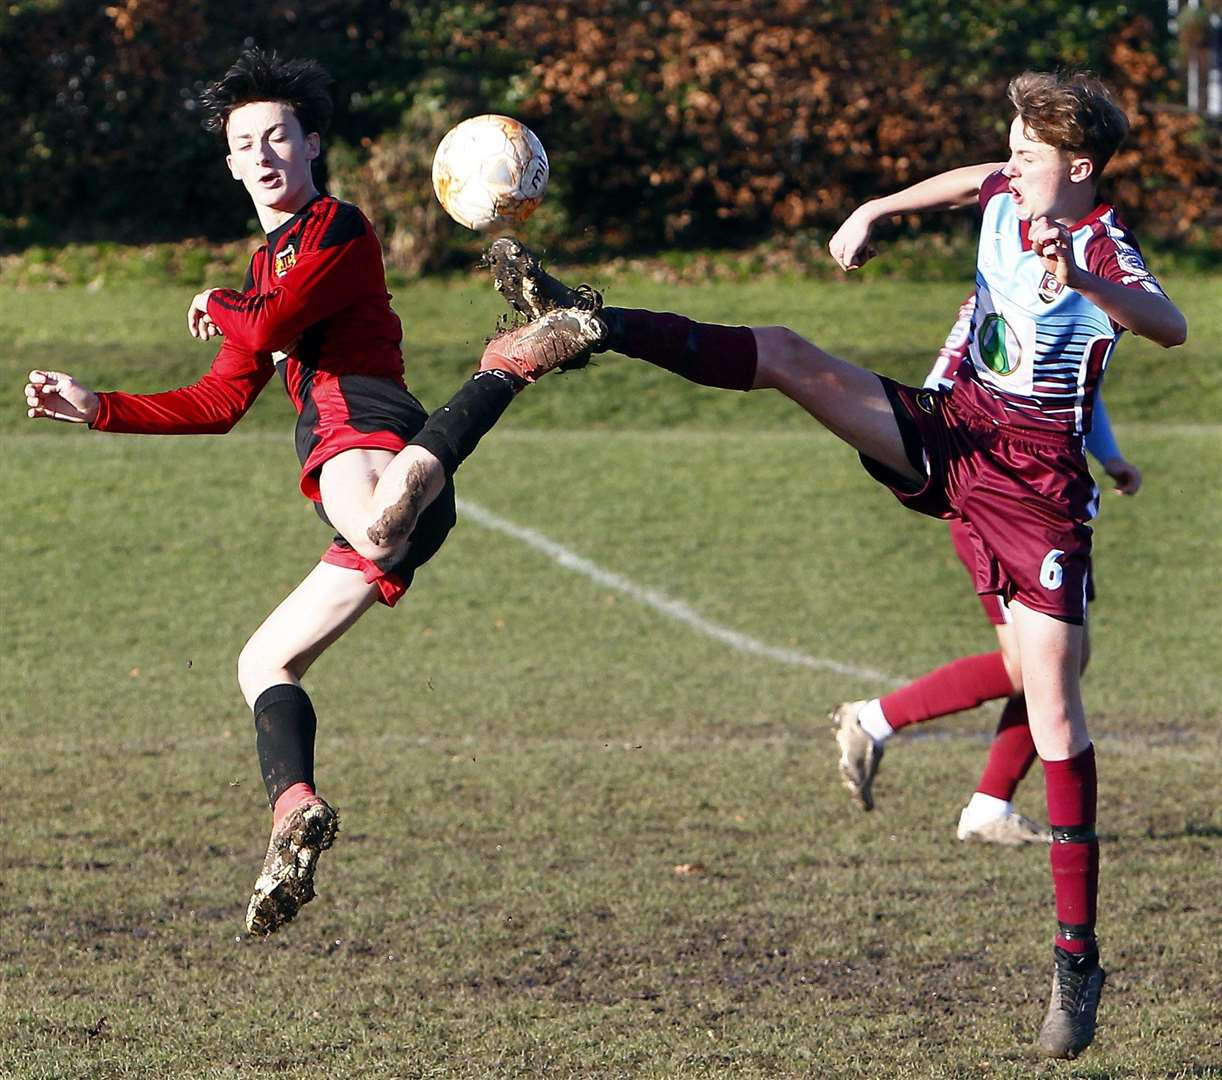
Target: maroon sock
(1011, 753)
(705, 353)
(1072, 793)
(961, 684)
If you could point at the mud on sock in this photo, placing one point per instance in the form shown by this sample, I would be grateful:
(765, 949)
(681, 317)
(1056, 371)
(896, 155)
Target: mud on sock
(285, 726)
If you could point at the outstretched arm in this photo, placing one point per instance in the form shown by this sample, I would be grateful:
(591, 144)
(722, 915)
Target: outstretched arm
(210, 406)
(850, 246)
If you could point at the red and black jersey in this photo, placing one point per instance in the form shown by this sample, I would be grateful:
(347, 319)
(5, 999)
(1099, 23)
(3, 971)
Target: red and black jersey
(314, 305)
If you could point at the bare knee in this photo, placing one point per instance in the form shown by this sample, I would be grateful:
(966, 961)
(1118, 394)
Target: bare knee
(261, 665)
(781, 350)
(384, 555)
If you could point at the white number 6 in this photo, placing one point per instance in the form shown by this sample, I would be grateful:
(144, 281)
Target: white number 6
(1051, 571)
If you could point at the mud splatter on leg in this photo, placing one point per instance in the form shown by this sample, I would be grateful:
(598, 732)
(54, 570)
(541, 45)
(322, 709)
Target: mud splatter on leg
(399, 519)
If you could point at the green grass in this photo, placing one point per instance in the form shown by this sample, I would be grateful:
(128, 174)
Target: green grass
(523, 756)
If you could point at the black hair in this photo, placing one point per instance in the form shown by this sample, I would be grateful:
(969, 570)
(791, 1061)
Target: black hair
(258, 75)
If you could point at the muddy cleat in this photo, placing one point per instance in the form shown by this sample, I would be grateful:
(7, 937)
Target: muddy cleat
(287, 881)
(1010, 829)
(1069, 1027)
(859, 753)
(562, 337)
(529, 289)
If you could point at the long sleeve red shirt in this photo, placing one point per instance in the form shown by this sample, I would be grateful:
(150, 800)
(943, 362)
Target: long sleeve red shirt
(315, 295)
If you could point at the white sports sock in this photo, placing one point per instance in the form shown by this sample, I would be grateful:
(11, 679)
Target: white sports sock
(982, 808)
(873, 722)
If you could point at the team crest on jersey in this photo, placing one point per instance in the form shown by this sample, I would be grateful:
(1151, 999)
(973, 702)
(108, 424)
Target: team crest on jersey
(1130, 261)
(924, 400)
(999, 347)
(286, 259)
(1050, 288)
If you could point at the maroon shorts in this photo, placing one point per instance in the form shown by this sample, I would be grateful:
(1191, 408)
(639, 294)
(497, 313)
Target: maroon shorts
(994, 606)
(1024, 498)
(995, 609)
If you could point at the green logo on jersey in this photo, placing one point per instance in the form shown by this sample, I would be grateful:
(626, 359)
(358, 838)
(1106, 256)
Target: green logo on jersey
(996, 340)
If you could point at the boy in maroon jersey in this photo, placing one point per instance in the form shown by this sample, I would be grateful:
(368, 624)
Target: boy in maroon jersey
(969, 681)
(1058, 280)
(378, 468)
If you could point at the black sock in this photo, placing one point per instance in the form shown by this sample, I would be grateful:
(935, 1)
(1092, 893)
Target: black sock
(454, 430)
(284, 735)
(1086, 961)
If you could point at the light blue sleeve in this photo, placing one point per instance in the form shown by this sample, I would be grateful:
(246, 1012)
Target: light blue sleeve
(1101, 442)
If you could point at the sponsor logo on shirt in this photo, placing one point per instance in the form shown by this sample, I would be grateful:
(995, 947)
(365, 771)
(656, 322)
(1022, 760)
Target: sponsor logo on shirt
(286, 259)
(999, 347)
(1050, 288)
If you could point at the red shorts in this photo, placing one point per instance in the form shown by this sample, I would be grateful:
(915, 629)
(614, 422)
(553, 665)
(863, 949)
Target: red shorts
(349, 412)
(1024, 498)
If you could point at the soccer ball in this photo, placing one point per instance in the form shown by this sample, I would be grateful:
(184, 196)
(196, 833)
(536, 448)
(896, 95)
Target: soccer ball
(490, 170)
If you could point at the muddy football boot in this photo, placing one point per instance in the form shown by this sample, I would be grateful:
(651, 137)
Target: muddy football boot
(529, 289)
(859, 754)
(561, 338)
(287, 881)
(1010, 829)
(1069, 1027)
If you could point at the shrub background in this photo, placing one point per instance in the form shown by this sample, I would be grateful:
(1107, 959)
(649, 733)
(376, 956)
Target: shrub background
(696, 125)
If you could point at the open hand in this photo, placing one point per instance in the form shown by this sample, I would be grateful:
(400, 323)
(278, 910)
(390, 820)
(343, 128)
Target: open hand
(52, 395)
(199, 322)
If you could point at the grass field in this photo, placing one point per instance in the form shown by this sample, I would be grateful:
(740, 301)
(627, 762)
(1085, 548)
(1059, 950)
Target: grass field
(525, 751)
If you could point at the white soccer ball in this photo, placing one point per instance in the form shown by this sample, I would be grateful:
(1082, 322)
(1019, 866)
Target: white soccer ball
(490, 170)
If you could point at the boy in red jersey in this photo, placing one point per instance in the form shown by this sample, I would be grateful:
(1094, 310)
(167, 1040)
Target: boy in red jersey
(377, 467)
(1058, 280)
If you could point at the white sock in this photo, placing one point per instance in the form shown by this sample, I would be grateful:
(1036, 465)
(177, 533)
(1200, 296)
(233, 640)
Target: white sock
(873, 722)
(982, 808)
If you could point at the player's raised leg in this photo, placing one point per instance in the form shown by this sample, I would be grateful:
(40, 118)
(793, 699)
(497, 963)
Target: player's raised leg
(1052, 653)
(850, 401)
(510, 362)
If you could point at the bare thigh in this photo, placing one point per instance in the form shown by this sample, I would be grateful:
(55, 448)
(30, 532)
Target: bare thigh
(1051, 653)
(373, 498)
(846, 399)
(301, 628)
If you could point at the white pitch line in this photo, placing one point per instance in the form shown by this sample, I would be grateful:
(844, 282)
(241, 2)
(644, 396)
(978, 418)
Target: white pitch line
(659, 601)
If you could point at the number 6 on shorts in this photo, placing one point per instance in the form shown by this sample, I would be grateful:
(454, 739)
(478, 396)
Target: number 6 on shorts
(1051, 571)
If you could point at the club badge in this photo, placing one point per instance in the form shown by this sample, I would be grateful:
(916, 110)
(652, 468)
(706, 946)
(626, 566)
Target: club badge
(286, 259)
(1050, 288)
